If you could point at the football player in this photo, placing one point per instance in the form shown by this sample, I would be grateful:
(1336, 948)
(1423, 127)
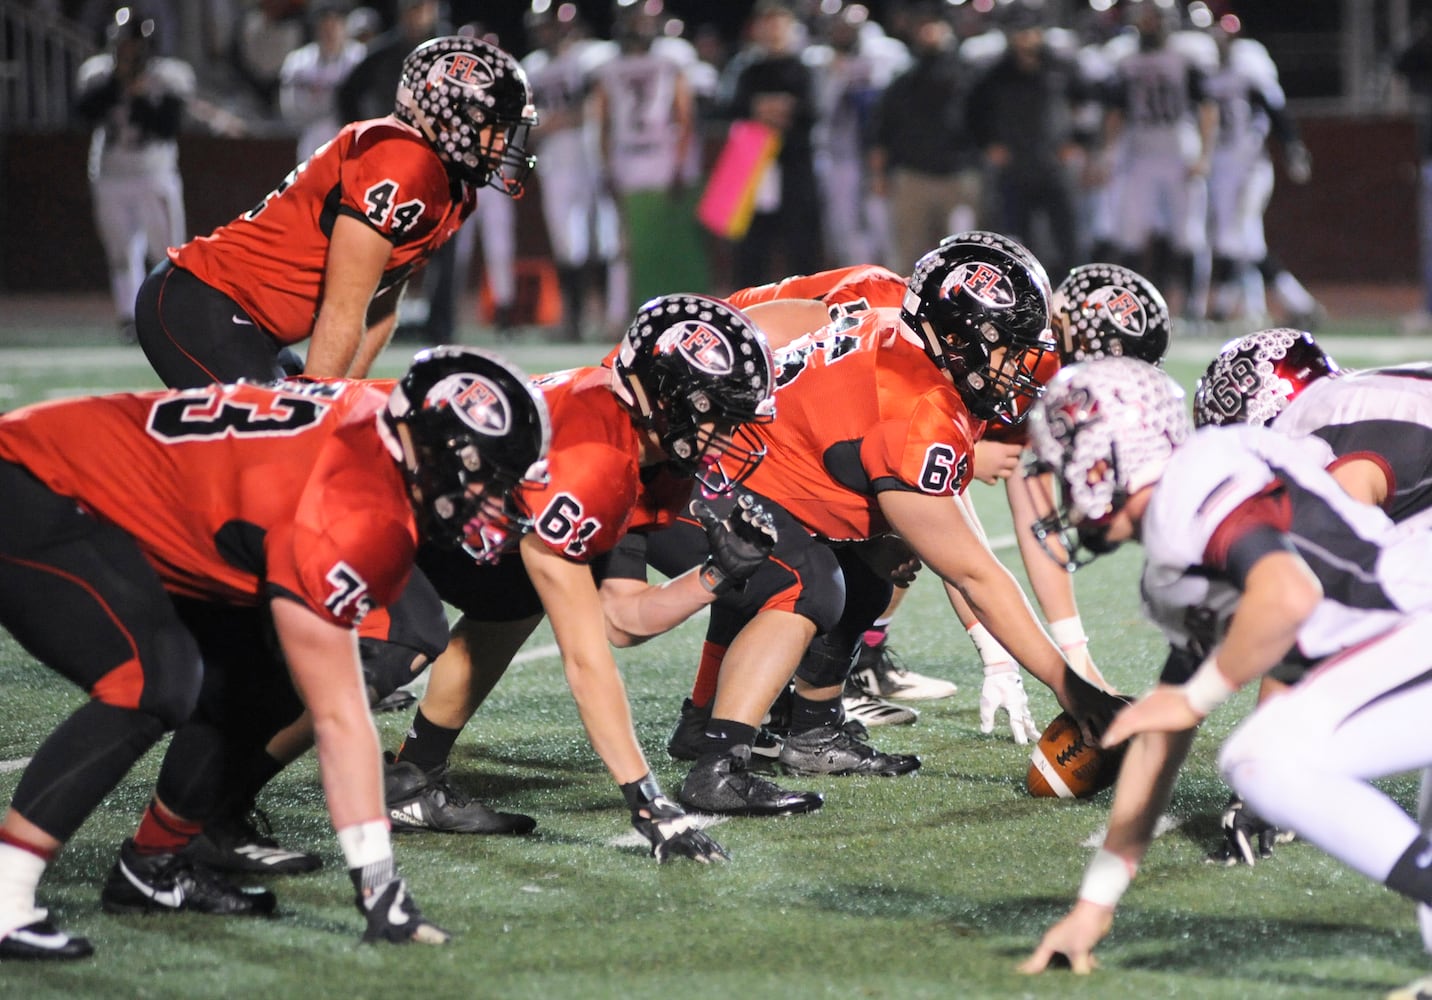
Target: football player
(325, 256)
(689, 378)
(1252, 553)
(138, 561)
(914, 387)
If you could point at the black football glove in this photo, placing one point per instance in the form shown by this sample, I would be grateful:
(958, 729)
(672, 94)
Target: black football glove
(1246, 836)
(666, 826)
(739, 542)
(390, 910)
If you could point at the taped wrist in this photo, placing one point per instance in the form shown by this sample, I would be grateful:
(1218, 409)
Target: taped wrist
(1068, 632)
(1207, 688)
(369, 853)
(1106, 878)
(995, 657)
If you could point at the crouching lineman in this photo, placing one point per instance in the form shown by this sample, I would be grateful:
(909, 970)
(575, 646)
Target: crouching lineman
(130, 516)
(1252, 553)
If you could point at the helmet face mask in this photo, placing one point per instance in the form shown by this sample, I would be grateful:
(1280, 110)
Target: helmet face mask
(980, 304)
(696, 372)
(1255, 377)
(1106, 429)
(473, 104)
(1107, 310)
(470, 430)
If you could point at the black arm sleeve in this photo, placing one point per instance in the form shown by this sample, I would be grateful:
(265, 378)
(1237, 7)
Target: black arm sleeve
(1252, 546)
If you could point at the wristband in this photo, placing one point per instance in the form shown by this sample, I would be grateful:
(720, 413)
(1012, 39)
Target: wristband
(997, 659)
(1207, 688)
(713, 580)
(365, 843)
(1106, 878)
(1068, 632)
(641, 793)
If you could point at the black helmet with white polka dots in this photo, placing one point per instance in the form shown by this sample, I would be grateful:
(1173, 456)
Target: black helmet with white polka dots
(472, 102)
(1107, 310)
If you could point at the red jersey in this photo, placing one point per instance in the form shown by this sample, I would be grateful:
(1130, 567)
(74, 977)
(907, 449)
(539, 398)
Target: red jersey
(596, 490)
(877, 287)
(270, 260)
(860, 410)
(240, 492)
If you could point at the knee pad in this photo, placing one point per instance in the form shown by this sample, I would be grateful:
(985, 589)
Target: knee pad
(828, 660)
(387, 666)
(173, 674)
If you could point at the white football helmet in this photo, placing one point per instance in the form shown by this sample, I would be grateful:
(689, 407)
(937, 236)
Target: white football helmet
(1106, 428)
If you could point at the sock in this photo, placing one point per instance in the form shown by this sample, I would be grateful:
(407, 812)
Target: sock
(1411, 874)
(703, 689)
(427, 744)
(162, 832)
(723, 734)
(807, 714)
(875, 634)
(21, 866)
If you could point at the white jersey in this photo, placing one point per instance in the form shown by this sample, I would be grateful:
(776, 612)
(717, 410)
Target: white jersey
(308, 92)
(642, 130)
(1371, 573)
(1244, 88)
(121, 145)
(1384, 414)
(560, 81)
(1158, 91)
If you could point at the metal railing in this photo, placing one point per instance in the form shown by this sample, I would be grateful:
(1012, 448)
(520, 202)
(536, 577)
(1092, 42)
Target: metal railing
(40, 53)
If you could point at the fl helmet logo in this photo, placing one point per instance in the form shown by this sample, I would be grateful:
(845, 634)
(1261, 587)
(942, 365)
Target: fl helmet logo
(1122, 307)
(463, 69)
(985, 284)
(477, 401)
(702, 347)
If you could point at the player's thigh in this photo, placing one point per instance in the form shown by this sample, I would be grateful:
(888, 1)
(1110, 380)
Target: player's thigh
(79, 596)
(500, 592)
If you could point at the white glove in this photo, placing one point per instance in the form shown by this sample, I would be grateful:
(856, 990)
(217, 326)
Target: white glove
(1005, 689)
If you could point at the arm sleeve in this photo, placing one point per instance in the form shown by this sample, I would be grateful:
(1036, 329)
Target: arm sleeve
(1254, 529)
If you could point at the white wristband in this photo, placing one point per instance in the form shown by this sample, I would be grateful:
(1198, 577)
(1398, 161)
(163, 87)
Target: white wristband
(365, 843)
(1106, 878)
(1207, 688)
(996, 658)
(1068, 632)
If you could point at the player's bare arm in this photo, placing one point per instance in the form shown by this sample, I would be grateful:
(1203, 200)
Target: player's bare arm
(357, 255)
(569, 594)
(323, 660)
(1145, 785)
(1279, 594)
(636, 610)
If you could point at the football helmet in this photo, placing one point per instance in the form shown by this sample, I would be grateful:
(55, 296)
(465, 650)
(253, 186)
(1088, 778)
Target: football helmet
(451, 90)
(976, 294)
(1103, 310)
(1106, 429)
(1254, 377)
(687, 361)
(468, 429)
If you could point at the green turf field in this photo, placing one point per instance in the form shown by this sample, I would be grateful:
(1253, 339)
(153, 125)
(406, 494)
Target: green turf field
(928, 886)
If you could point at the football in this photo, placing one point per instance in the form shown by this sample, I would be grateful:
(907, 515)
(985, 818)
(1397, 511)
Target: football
(1064, 766)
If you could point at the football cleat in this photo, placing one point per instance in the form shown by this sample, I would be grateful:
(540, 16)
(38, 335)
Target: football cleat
(244, 843)
(173, 883)
(723, 783)
(40, 941)
(880, 674)
(833, 750)
(872, 711)
(688, 740)
(426, 801)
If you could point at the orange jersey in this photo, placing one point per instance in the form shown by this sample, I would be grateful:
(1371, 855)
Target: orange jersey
(270, 260)
(877, 287)
(596, 490)
(236, 493)
(860, 410)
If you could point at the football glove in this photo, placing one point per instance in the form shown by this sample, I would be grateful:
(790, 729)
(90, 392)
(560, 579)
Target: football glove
(666, 826)
(739, 543)
(389, 908)
(1246, 836)
(1005, 689)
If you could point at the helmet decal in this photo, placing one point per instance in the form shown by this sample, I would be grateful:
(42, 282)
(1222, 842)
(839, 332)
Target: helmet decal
(477, 402)
(701, 345)
(984, 284)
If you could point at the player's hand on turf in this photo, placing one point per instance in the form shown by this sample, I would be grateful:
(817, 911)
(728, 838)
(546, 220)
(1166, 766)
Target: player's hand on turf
(1005, 689)
(666, 826)
(393, 915)
(1246, 836)
(739, 543)
(1165, 709)
(1072, 939)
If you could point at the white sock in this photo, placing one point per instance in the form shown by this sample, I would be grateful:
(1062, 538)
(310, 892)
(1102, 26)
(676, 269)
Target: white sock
(20, 872)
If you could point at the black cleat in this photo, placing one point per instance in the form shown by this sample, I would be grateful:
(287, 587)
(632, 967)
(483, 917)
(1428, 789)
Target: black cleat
(174, 883)
(41, 942)
(835, 750)
(689, 742)
(245, 843)
(419, 801)
(723, 783)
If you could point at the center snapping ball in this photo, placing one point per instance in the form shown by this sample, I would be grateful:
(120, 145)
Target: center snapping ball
(1064, 766)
